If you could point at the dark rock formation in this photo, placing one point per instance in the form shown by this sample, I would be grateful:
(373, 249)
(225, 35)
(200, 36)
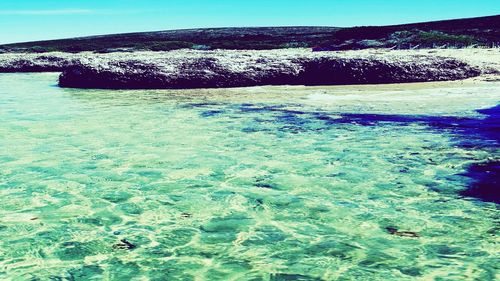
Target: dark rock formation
(29, 63)
(218, 69)
(222, 68)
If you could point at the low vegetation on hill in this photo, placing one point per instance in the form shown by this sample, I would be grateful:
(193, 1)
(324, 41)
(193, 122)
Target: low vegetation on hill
(483, 31)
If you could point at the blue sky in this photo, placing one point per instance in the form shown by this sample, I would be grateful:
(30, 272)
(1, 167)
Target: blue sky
(29, 20)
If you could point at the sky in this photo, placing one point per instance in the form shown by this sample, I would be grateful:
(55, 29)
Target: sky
(31, 20)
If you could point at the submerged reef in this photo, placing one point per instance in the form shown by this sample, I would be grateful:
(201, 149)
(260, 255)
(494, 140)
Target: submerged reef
(486, 175)
(468, 132)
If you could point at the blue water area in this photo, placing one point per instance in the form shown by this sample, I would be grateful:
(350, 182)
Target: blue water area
(468, 132)
(486, 175)
(247, 184)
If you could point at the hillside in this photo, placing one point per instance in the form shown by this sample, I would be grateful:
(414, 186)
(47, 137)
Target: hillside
(483, 31)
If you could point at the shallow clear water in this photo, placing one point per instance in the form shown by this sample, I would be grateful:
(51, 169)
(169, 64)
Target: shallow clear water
(244, 184)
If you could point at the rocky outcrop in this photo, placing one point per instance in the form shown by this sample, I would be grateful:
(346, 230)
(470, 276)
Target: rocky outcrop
(223, 68)
(218, 69)
(53, 62)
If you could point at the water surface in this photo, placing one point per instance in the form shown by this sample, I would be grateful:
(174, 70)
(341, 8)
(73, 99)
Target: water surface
(266, 183)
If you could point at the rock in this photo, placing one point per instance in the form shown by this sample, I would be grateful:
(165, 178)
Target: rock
(34, 62)
(296, 277)
(124, 245)
(182, 69)
(395, 231)
(186, 215)
(220, 69)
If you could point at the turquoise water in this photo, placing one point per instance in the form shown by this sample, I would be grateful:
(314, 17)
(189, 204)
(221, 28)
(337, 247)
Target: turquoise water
(240, 184)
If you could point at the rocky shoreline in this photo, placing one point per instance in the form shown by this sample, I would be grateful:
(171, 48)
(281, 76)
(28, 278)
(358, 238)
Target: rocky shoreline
(188, 69)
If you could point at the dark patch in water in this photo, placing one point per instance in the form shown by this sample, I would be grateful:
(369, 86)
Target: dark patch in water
(290, 277)
(250, 130)
(263, 182)
(486, 181)
(246, 107)
(264, 185)
(470, 133)
(201, 104)
(124, 245)
(186, 215)
(486, 176)
(394, 231)
(291, 121)
(86, 272)
(210, 113)
(490, 126)
(297, 120)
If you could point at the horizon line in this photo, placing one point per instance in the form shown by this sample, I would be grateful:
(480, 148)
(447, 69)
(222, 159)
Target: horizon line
(83, 11)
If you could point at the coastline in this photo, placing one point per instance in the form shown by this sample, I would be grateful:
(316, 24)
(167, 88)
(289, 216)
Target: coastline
(188, 69)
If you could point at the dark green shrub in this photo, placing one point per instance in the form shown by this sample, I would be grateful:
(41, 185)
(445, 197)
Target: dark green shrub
(438, 37)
